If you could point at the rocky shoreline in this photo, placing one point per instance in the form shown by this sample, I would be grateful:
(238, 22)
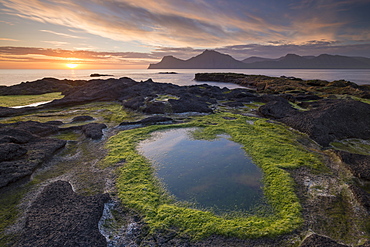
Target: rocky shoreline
(325, 111)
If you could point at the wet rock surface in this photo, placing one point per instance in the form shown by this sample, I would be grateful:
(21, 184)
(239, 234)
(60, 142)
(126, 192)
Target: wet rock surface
(60, 217)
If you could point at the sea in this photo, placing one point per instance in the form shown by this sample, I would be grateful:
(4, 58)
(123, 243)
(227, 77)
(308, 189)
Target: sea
(182, 77)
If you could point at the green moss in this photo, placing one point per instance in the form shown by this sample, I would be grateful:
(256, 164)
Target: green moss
(356, 146)
(68, 136)
(271, 146)
(22, 100)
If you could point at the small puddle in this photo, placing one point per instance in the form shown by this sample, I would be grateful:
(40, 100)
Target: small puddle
(213, 174)
(32, 105)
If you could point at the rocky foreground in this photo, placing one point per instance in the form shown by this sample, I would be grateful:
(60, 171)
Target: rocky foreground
(57, 216)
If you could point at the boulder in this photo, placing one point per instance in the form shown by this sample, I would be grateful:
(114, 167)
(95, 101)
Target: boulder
(60, 217)
(93, 130)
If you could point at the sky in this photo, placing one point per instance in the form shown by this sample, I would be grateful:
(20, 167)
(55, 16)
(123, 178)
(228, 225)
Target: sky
(131, 34)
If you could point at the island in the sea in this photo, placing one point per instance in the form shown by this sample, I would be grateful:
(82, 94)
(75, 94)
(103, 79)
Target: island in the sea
(211, 59)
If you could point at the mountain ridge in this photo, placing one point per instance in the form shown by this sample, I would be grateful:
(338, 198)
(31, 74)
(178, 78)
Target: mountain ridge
(210, 59)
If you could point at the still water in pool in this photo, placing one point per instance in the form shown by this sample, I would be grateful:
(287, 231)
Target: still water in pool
(211, 174)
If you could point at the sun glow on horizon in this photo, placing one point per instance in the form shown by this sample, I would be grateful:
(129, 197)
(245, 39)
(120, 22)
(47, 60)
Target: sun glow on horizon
(71, 65)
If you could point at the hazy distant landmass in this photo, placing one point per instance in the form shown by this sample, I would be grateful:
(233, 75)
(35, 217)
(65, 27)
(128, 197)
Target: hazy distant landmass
(210, 59)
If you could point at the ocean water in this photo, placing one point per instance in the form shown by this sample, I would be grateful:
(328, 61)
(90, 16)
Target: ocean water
(183, 76)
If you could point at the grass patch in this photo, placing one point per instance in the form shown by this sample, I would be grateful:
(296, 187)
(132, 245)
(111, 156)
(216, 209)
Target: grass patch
(23, 100)
(272, 147)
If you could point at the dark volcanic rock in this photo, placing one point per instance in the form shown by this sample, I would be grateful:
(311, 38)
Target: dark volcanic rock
(82, 119)
(7, 112)
(155, 108)
(358, 164)
(21, 152)
(9, 135)
(56, 123)
(39, 151)
(11, 151)
(189, 105)
(98, 75)
(45, 85)
(361, 196)
(277, 109)
(335, 119)
(315, 240)
(36, 128)
(94, 130)
(60, 217)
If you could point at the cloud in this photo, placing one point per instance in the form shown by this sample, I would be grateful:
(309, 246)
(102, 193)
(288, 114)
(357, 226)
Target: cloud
(195, 23)
(32, 54)
(63, 34)
(56, 43)
(6, 39)
(313, 47)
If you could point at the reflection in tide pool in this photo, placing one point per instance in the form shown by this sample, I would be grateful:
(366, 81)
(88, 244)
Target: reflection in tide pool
(215, 174)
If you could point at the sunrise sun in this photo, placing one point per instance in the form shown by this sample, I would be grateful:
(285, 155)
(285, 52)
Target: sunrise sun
(71, 65)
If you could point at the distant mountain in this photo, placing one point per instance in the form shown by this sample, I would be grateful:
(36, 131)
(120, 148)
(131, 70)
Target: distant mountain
(323, 61)
(256, 59)
(207, 60)
(214, 60)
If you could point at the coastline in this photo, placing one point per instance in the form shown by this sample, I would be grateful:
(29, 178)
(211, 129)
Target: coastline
(304, 166)
(184, 76)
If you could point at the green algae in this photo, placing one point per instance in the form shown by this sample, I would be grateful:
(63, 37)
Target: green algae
(23, 100)
(272, 147)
